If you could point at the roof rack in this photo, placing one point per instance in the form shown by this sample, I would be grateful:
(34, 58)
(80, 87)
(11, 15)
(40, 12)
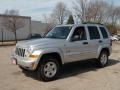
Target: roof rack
(91, 23)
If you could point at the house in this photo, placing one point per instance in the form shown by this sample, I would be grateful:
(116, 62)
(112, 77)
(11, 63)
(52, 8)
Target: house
(22, 33)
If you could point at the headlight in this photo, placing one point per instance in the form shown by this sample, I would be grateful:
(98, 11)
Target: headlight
(35, 54)
(28, 51)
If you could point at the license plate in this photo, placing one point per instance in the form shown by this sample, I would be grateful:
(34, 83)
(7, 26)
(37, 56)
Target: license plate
(14, 61)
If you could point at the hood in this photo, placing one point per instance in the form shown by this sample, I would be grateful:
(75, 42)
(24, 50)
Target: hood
(44, 42)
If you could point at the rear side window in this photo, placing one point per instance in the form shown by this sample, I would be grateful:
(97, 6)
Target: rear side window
(93, 32)
(104, 33)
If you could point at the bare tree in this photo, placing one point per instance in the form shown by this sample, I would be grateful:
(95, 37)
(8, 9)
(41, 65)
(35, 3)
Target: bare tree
(99, 11)
(2, 35)
(91, 10)
(60, 12)
(80, 7)
(114, 18)
(12, 22)
(58, 16)
(50, 22)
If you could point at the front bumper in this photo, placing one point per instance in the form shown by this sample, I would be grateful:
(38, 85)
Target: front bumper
(24, 62)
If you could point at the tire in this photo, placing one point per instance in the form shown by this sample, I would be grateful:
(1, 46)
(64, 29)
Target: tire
(48, 69)
(103, 59)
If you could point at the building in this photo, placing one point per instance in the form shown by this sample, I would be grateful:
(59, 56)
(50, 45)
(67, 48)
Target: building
(22, 33)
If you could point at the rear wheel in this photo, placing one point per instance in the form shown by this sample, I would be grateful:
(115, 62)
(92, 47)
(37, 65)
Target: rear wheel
(103, 59)
(48, 69)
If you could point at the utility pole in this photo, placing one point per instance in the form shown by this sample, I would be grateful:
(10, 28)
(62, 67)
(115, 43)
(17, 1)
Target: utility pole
(2, 35)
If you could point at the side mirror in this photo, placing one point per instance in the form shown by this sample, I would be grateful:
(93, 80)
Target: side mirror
(75, 38)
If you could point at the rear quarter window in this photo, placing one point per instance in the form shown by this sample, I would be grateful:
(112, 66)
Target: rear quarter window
(104, 32)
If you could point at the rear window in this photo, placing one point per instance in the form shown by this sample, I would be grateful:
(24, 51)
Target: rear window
(104, 33)
(93, 32)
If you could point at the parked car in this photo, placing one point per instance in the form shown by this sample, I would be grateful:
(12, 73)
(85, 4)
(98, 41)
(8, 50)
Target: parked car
(115, 38)
(34, 36)
(118, 37)
(64, 44)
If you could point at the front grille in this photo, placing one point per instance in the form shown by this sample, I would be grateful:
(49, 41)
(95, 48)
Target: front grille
(20, 52)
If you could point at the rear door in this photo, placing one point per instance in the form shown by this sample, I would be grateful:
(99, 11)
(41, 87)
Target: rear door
(94, 41)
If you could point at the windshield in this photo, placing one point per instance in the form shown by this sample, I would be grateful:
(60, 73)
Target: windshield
(59, 32)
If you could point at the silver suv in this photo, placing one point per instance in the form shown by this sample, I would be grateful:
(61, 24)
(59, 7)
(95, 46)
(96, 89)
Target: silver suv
(63, 44)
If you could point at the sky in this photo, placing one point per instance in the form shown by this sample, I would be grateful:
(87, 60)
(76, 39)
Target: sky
(37, 8)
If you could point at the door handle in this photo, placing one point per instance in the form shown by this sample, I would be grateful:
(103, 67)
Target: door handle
(100, 41)
(85, 43)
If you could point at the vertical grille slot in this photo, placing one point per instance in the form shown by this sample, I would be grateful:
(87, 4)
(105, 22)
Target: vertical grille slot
(20, 52)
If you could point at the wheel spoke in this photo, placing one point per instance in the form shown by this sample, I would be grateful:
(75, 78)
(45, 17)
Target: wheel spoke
(103, 59)
(50, 69)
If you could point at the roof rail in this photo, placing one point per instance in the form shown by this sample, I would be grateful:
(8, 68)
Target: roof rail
(92, 23)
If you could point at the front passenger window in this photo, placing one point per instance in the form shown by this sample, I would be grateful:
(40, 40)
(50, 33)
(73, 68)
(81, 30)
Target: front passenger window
(79, 34)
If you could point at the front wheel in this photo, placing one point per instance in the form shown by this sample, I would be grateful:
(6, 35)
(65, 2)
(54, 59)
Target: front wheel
(103, 59)
(48, 69)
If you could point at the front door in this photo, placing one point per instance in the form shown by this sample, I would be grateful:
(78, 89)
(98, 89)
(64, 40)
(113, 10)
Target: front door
(76, 49)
